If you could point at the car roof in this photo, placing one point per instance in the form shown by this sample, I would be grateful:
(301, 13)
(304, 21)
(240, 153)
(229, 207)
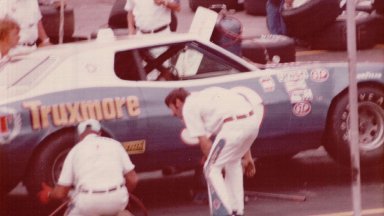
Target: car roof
(122, 42)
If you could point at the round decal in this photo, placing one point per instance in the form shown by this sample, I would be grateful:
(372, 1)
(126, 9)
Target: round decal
(319, 75)
(10, 124)
(301, 109)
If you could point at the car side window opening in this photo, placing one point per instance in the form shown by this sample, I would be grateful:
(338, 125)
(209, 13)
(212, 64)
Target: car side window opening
(170, 62)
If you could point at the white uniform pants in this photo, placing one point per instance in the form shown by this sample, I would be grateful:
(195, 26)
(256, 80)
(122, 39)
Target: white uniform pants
(97, 204)
(226, 194)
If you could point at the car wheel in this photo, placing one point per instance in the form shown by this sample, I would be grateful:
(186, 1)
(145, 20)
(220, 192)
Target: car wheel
(371, 127)
(255, 7)
(308, 17)
(334, 37)
(51, 23)
(47, 163)
(269, 48)
(118, 16)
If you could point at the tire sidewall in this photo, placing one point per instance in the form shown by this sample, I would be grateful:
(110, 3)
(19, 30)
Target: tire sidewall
(337, 144)
(311, 17)
(44, 162)
(265, 48)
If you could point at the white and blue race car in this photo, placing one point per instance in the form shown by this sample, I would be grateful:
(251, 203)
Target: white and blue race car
(123, 82)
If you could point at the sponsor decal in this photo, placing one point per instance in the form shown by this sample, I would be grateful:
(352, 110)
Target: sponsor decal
(301, 109)
(216, 205)
(369, 75)
(10, 124)
(299, 95)
(65, 114)
(216, 152)
(267, 84)
(319, 75)
(294, 85)
(371, 97)
(135, 147)
(292, 76)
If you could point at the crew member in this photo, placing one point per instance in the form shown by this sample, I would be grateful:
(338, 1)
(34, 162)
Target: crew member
(100, 171)
(150, 16)
(9, 36)
(235, 122)
(27, 14)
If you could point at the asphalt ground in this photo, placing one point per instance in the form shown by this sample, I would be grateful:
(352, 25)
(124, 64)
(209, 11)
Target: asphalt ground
(312, 174)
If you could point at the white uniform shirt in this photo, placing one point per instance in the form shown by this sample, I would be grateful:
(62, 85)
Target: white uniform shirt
(26, 13)
(148, 15)
(204, 111)
(95, 163)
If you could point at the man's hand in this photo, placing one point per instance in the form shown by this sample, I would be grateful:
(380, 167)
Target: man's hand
(43, 195)
(249, 167)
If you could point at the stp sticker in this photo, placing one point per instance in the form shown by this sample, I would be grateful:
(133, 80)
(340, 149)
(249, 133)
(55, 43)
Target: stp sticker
(319, 75)
(10, 124)
(301, 109)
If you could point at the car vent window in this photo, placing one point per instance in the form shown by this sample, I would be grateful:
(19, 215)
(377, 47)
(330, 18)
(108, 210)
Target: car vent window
(125, 66)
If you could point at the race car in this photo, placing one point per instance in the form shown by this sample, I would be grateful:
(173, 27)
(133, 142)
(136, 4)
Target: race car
(122, 82)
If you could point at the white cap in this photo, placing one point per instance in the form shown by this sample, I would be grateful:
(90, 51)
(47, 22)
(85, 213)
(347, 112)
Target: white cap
(91, 124)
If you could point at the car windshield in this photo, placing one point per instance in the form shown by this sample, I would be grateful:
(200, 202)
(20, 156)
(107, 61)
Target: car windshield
(20, 71)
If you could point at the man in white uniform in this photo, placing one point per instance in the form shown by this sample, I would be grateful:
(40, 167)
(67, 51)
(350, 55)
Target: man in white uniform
(9, 37)
(27, 14)
(150, 16)
(100, 171)
(235, 122)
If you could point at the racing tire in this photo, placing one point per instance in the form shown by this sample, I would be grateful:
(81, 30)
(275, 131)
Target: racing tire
(194, 4)
(269, 48)
(310, 17)
(257, 8)
(379, 20)
(48, 161)
(362, 5)
(365, 6)
(371, 127)
(334, 37)
(378, 5)
(51, 23)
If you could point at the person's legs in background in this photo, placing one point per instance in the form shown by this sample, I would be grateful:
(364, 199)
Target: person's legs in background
(275, 22)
